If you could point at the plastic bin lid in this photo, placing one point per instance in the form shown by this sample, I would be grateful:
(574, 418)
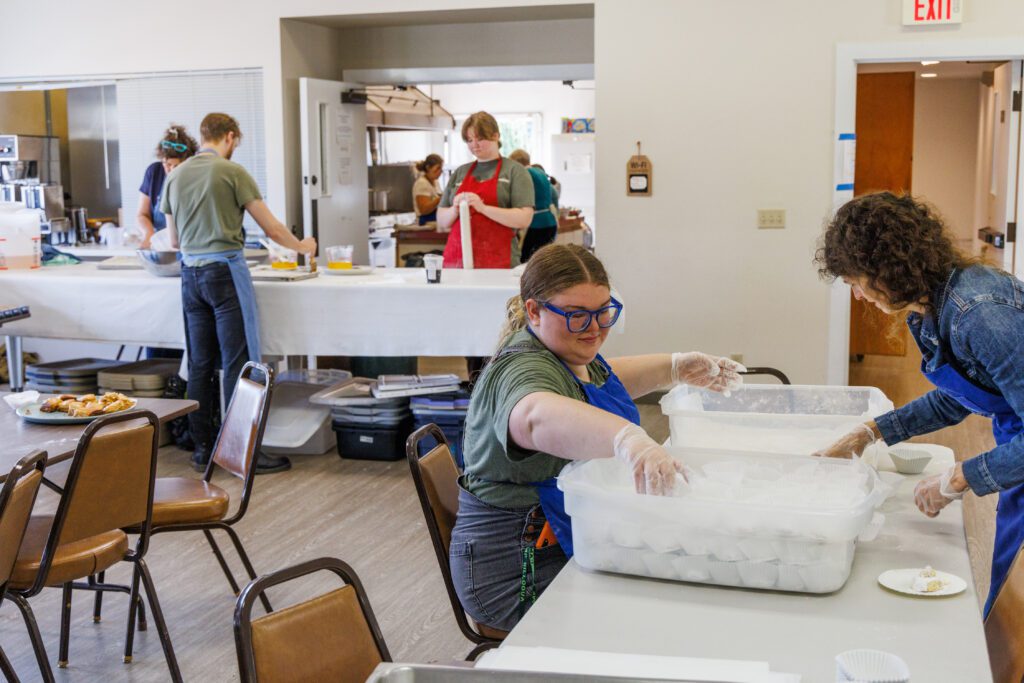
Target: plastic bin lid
(76, 367)
(787, 399)
(324, 378)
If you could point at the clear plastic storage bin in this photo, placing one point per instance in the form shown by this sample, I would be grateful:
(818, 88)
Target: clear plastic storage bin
(295, 425)
(769, 418)
(763, 521)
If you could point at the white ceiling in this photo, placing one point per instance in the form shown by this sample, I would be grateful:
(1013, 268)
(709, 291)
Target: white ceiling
(971, 70)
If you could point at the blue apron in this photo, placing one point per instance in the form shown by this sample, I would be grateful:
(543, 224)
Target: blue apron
(1006, 424)
(610, 396)
(240, 277)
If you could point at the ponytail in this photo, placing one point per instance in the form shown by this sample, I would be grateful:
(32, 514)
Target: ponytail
(431, 161)
(515, 319)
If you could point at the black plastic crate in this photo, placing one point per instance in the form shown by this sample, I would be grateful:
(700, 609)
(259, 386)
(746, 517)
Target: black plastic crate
(359, 442)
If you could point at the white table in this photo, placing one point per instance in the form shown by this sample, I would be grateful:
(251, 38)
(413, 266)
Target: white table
(941, 639)
(392, 312)
(98, 252)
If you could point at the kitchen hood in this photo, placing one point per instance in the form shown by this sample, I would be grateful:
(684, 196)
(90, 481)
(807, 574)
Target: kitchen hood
(401, 107)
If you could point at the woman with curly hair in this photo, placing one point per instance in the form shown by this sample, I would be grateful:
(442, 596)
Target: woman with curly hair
(174, 147)
(968, 320)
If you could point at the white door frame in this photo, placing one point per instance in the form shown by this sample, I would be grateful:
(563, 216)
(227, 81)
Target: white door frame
(848, 56)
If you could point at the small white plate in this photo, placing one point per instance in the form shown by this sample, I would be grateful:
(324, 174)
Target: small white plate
(354, 270)
(902, 580)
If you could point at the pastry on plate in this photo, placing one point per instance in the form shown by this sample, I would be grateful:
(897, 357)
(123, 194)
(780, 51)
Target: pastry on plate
(927, 581)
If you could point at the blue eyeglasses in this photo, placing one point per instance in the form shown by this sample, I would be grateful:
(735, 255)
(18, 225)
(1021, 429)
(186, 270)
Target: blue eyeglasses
(176, 146)
(578, 321)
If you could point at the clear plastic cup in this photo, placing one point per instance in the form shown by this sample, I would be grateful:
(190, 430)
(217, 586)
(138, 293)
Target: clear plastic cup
(339, 257)
(284, 259)
(432, 264)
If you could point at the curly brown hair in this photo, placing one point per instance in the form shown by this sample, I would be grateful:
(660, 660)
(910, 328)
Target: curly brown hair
(899, 243)
(170, 145)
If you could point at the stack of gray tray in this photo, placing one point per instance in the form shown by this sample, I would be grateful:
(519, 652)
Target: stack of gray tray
(76, 376)
(142, 379)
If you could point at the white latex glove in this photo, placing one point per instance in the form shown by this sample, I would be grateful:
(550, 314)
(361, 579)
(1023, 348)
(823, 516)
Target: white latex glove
(852, 444)
(654, 470)
(708, 372)
(935, 492)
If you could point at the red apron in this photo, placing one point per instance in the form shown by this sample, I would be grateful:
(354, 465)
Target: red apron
(492, 241)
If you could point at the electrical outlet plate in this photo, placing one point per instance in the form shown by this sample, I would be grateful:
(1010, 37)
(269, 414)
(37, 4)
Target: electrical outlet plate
(771, 219)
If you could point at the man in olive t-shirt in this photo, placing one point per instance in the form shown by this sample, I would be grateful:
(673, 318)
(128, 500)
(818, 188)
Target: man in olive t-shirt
(204, 201)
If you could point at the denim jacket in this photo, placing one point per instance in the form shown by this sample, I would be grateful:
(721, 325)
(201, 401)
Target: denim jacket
(980, 320)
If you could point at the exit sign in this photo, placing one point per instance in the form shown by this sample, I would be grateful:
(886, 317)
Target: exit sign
(931, 12)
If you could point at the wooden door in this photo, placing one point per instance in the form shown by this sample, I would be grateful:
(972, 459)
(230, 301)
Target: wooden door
(885, 149)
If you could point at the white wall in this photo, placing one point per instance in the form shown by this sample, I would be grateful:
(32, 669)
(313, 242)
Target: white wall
(734, 102)
(552, 100)
(945, 151)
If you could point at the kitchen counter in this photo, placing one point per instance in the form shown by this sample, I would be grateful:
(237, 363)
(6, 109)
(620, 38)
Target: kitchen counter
(98, 252)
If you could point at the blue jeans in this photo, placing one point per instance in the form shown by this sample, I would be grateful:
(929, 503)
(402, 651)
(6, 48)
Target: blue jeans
(486, 556)
(216, 338)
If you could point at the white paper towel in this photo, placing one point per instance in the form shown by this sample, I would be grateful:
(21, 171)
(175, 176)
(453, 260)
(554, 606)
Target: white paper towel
(467, 235)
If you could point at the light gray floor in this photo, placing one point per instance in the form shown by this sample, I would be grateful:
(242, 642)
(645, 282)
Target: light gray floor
(365, 513)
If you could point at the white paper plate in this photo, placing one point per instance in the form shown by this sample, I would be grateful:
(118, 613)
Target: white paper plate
(354, 270)
(902, 580)
(31, 413)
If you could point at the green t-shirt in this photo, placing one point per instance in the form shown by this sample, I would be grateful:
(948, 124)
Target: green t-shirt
(207, 195)
(497, 470)
(515, 186)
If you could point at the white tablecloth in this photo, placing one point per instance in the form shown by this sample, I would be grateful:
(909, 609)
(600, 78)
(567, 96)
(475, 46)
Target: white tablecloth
(392, 312)
(941, 639)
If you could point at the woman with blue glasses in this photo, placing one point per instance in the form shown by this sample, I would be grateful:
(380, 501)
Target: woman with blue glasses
(175, 147)
(548, 397)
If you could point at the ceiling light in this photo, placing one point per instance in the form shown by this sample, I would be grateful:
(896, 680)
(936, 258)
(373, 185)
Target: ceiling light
(930, 62)
(929, 75)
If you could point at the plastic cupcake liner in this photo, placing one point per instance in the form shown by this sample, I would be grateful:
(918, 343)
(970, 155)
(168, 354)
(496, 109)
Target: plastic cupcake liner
(789, 579)
(724, 573)
(758, 574)
(692, 568)
(659, 565)
(661, 539)
(824, 577)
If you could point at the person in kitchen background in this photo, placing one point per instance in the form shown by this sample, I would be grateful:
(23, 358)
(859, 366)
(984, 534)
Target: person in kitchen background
(968, 321)
(500, 197)
(426, 191)
(205, 201)
(174, 147)
(548, 397)
(544, 225)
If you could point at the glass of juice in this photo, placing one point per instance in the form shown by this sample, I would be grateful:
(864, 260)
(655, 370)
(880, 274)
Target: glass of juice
(284, 259)
(339, 257)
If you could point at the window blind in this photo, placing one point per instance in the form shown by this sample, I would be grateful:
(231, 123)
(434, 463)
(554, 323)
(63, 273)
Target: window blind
(147, 106)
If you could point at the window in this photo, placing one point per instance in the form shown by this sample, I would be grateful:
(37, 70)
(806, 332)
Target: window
(518, 131)
(147, 106)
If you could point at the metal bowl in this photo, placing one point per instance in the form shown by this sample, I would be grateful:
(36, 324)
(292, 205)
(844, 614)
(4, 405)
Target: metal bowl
(160, 263)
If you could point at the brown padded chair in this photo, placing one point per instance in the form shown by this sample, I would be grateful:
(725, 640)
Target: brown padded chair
(109, 487)
(17, 497)
(189, 504)
(1004, 627)
(332, 637)
(437, 483)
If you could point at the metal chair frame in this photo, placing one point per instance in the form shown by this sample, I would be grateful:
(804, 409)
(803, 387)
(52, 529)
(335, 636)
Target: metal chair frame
(778, 374)
(256, 589)
(141, 570)
(35, 460)
(482, 642)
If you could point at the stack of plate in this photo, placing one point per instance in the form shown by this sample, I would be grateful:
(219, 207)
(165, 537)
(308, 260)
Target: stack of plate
(145, 378)
(76, 376)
